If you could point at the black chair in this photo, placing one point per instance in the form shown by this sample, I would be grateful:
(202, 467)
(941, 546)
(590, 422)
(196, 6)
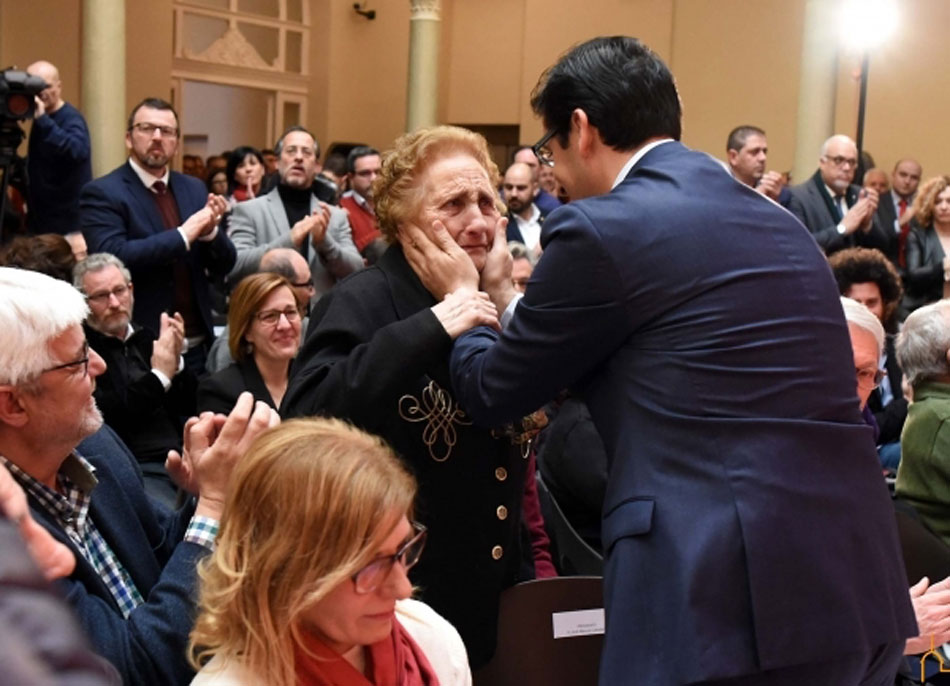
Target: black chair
(528, 654)
(925, 553)
(572, 554)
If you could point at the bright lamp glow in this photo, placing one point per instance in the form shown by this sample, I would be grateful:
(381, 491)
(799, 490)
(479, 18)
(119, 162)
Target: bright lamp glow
(866, 24)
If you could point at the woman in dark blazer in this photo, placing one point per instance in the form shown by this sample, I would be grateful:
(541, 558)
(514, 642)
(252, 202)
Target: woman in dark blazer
(264, 324)
(928, 245)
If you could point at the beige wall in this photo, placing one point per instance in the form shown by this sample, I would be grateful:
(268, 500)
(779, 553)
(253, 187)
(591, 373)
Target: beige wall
(736, 61)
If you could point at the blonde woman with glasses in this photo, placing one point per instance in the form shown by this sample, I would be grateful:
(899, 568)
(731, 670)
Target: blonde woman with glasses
(308, 583)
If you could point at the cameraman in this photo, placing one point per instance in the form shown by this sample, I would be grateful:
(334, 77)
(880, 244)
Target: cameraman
(58, 158)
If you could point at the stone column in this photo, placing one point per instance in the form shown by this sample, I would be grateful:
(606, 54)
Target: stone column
(423, 90)
(103, 81)
(817, 87)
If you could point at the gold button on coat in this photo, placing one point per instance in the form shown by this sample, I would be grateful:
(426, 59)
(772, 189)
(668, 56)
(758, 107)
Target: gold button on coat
(502, 512)
(497, 552)
(501, 473)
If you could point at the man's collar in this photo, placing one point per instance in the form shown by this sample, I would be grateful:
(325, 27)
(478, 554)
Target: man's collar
(533, 219)
(636, 157)
(147, 178)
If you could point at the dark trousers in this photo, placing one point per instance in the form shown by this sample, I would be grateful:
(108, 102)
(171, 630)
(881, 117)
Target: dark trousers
(874, 667)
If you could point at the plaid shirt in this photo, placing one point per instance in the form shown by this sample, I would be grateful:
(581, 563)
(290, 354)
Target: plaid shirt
(70, 508)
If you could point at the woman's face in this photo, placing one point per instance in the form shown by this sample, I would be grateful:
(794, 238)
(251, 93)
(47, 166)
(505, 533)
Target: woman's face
(344, 619)
(219, 183)
(280, 338)
(942, 207)
(250, 171)
(457, 191)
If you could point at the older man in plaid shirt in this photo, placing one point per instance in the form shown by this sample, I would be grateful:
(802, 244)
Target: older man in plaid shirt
(134, 580)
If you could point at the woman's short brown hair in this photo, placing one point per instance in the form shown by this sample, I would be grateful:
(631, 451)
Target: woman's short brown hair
(246, 301)
(308, 506)
(396, 190)
(927, 198)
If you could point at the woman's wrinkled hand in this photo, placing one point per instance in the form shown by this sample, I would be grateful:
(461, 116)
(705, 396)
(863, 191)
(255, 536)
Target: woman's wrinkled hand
(465, 309)
(441, 265)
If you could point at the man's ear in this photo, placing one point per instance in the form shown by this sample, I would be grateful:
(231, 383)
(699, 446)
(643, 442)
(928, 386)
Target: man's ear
(587, 133)
(732, 156)
(12, 411)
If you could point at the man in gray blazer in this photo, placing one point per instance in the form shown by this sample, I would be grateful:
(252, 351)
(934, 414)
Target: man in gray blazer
(291, 217)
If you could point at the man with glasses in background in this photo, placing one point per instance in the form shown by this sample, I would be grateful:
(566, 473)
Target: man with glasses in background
(163, 226)
(291, 217)
(362, 167)
(134, 582)
(838, 213)
(146, 390)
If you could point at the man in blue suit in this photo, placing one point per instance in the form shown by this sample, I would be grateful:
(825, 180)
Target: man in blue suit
(162, 225)
(748, 534)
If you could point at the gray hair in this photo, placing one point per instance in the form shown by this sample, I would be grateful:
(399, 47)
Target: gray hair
(519, 250)
(923, 343)
(279, 145)
(859, 315)
(34, 309)
(96, 263)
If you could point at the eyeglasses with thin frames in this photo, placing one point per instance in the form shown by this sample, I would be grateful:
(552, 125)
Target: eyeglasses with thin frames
(271, 317)
(372, 575)
(869, 378)
(84, 361)
(840, 161)
(119, 292)
(543, 151)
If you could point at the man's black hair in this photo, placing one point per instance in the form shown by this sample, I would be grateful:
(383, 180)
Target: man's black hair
(356, 153)
(626, 91)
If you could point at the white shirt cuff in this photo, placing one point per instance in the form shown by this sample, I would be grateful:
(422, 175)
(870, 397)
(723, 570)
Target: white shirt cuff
(181, 232)
(166, 382)
(510, 310)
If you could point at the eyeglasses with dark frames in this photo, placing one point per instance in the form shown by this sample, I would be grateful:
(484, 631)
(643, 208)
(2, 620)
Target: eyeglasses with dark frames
(84, 361)
(543, 151)
(372, 575)
(150, 129)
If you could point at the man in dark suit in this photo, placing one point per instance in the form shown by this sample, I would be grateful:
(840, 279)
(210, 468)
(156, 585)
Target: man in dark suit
(838, 213)
(519, 188)
(163, 226)
(738, 455)
(894, 211)
(134, 583)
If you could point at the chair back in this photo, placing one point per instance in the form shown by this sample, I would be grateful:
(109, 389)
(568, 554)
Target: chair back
(550, 633)
(572, 554)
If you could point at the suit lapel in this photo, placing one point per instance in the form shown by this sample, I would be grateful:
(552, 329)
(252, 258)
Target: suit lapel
(277, 213)
(142, 198)
(819, 187)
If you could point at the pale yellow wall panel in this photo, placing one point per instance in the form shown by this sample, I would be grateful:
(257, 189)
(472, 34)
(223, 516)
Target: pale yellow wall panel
(551, 28)
(737, 62)
(484, 77)
(368, 65)
(148, 46)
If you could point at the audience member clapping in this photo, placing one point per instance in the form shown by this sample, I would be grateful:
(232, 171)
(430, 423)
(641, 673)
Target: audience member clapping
(264, 334)
(308, 582)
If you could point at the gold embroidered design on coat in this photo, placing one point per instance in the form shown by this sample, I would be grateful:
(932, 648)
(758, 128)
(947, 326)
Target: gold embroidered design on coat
(441, 413)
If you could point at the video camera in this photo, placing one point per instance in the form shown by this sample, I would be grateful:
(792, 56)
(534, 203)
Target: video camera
(18, 91)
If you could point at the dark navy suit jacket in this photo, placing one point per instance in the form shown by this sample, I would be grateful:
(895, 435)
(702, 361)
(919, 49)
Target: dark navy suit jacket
(746, 524)
(149, 647)
(120, 216)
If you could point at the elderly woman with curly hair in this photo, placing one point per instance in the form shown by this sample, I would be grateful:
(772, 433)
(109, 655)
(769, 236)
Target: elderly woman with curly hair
(307, 584)
(378, 356)
(928, 245)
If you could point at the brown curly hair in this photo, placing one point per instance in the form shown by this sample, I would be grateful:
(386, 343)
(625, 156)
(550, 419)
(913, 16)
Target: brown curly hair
(927, 198)
(396, 189)
(867, 265)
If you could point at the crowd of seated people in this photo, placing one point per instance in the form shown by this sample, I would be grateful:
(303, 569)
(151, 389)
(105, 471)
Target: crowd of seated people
(329, 313)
